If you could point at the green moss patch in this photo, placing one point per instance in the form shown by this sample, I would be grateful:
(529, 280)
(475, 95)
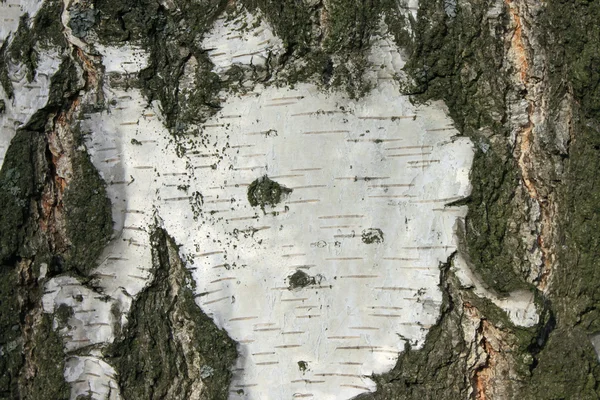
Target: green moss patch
(492, 224)
(22, 47)
(455, 56)
(441, 369)
(11, 358)
(325, 43)
(4, 78)
(28, 341)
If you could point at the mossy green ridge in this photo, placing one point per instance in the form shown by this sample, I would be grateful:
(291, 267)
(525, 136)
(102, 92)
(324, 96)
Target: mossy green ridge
(32, 357)
(170, 348)
(47, 355)
(44, 32)
(325, 42)
(441, 369)
(575, 45)
(22, 47)
(21, 184)
(88, 218)
(5, 81)
(47, 26)
(456, 58)
(63, 89)
(28, 168)
(333, 55)
(567, 366)
(172, 37)
(291, 21)
(26, 334)
(31, 352)
(492, 223)
(11, 342)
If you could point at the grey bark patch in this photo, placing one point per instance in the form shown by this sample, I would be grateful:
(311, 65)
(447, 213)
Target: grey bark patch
(372, 235)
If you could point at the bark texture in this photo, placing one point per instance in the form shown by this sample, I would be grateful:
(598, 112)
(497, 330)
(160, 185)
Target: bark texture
(519, 77)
